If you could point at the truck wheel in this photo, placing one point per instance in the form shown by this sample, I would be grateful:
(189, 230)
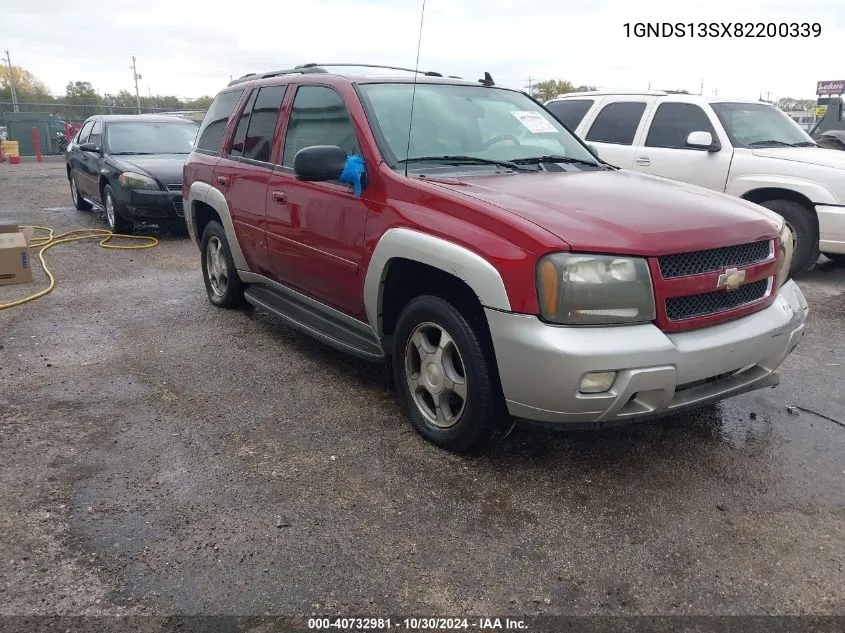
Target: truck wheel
(445, 374)
(222, 284)
(837, 258)
(78, 201)
(803, 226)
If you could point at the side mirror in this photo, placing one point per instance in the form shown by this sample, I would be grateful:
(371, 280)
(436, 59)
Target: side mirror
(90, 147)
(319, 163)
(703, 140)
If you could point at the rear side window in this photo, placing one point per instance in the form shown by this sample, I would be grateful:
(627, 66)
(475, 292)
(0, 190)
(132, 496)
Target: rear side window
(237, 148)
(673, 123)
(215, 121)
(319, 117)
(262, 125)
(570, 112)
(617, 123)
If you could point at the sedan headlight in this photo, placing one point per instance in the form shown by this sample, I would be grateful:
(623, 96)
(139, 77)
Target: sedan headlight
(577, 289)
(786, 247)
(131, 180)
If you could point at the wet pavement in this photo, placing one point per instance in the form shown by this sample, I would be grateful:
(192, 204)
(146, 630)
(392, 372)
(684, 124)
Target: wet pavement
(163, 456)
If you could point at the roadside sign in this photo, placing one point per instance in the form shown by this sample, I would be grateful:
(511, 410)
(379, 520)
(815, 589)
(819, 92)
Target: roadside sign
(830, 87)
(821, 110)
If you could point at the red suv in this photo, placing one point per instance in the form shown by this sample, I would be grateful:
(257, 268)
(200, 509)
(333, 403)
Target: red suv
(458, 231)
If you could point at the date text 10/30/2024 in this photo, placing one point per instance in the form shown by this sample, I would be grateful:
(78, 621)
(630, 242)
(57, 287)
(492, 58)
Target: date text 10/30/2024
(722, 29)
(416, 624)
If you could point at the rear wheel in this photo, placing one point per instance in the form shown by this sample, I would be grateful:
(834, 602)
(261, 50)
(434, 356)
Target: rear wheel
(804, 229)
(222, 283)
(444, 370)
(78, 201)
(116, 222)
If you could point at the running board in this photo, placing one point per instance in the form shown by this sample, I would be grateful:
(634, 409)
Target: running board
(323, 323)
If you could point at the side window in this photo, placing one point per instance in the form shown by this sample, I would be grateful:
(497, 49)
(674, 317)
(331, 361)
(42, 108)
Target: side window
(237, 148)
(319, 117)
(673, 122)
(570, 112)
(216, 119)
(262, 126)
(97, 134)
(617, 123)
(84, 132)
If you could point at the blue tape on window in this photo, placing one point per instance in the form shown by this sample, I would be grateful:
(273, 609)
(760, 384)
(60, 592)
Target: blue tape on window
(352, 173)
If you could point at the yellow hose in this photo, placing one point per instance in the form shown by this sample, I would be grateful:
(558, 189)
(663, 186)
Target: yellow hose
(46, 242)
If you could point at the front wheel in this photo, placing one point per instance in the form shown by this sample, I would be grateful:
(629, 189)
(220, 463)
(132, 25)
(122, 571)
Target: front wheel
(804, 229)
(445, 373)
(222, 283)
(116, 222)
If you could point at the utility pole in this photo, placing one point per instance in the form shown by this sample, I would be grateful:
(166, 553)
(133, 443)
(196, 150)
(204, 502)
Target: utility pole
(136, 76)
(701, 90)
(530, 85)
(12, 82)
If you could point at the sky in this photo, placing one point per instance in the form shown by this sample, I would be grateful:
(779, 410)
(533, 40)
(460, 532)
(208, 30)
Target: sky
(189, 48)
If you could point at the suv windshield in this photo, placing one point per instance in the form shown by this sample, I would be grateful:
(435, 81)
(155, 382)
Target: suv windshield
(473, 122)
(760, 125)
(147, 137)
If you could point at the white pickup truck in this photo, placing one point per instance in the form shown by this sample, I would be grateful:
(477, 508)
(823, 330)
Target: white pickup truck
(747, 149)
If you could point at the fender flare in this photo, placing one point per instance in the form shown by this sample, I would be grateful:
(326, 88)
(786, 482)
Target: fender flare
(479, 274)
(815, 192)
(203, 192)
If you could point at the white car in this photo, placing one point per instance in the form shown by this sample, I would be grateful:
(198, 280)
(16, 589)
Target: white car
(747, 149)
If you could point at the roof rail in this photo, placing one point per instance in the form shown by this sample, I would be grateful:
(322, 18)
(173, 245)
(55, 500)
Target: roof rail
(654, 93)
(275, 73)
(427, 73)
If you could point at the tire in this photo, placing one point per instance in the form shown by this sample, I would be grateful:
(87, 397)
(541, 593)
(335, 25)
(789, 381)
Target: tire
(223, 286)
(463, 423)
(836, 258)
(804, 229)
(116, 222)
(78, 201)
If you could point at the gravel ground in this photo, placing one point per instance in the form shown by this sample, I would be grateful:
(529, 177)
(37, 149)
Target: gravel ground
(161, 456)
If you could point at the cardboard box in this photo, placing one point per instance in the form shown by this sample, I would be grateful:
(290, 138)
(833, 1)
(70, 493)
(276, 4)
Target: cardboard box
(15, 262)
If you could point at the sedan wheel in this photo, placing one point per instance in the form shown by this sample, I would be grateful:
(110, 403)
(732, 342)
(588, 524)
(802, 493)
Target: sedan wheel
(216, 267)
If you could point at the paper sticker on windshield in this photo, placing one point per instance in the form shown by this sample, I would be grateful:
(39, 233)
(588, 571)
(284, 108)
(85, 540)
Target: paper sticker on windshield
(534, 121)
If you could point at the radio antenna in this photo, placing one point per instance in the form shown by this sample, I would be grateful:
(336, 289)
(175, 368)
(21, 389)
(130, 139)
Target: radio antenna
(414, 89)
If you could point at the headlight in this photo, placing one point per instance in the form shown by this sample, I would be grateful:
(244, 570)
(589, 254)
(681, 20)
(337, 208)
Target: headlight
(131, 180)
(786, 248)
(594, 289)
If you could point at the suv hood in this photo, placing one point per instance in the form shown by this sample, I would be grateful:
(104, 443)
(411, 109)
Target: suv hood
(623, 212)
(811, 155)
(166, 168)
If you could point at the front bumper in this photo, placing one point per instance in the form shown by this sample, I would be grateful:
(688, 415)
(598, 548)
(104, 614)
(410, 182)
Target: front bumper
(831, 228)
(541, 366)
(150, 206)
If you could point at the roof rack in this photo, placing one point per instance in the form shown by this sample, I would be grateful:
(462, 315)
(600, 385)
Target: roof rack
(320, 68)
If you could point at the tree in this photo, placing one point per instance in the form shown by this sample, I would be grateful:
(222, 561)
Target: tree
(28, 87)
(788, 104)
(550, 88)
(202, 103)
(82, 99)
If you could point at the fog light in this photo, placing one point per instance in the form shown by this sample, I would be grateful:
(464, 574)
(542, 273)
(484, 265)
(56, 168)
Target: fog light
(597, 381)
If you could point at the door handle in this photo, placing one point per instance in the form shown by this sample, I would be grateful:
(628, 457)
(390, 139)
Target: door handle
(643, 160)
(280, 197)
(223, 181)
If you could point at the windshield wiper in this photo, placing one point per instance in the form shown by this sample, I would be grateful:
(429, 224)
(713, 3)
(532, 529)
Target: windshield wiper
(131, 153)
(805, 144)
(770, 143)
(463, 160)
(536, 160)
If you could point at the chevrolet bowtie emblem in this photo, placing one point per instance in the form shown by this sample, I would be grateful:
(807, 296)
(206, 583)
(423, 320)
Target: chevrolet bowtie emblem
(731, 279)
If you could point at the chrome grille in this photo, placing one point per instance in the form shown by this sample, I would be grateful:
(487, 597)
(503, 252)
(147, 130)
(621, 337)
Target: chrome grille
(698, 262)
(179, 210)
(679, 308)
(176, 186)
